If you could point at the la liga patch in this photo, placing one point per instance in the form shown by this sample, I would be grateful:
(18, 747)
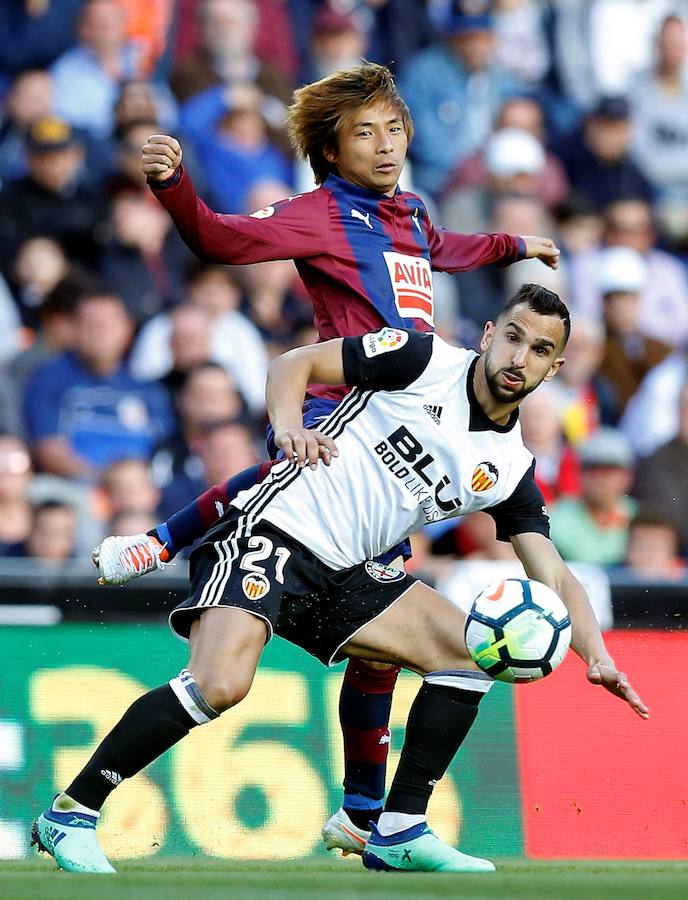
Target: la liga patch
(384, 574)
(383, 341)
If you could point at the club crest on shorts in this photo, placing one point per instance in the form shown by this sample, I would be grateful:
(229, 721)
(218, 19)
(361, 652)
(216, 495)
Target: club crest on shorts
(255, 585)
(485, 476)
(384, 574)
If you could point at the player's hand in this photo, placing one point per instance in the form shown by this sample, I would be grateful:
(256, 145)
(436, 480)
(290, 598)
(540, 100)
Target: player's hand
(305, 446)
(617, 683)
(543, 249)
(161, 157)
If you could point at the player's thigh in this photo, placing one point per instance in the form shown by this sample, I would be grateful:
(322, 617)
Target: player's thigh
(225, 644)
(421, 630)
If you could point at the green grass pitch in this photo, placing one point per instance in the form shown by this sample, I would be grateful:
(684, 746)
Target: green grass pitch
(181, 879)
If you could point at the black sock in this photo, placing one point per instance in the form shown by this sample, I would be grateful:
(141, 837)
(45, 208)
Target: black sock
(362, 817)
(439, 720)
(151, 725)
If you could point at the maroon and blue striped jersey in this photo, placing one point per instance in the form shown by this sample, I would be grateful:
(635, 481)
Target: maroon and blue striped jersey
(366, 259)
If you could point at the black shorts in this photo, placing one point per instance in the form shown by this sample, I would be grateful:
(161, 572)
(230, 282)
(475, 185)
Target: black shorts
(276, 578)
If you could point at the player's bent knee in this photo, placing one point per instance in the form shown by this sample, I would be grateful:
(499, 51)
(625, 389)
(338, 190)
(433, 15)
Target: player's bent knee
(223, 690)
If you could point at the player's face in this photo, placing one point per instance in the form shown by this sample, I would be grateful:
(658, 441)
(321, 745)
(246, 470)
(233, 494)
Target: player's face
(372, 148)
(521, 350)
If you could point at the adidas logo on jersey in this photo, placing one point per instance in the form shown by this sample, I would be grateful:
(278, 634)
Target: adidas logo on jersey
(435, 412)
(112, 777)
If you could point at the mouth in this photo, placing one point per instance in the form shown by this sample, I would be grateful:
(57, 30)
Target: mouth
(385, 168)
(512, 381)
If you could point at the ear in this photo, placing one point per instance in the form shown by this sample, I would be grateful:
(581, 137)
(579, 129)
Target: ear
(488, 334)
(329, 154)
(554, 368)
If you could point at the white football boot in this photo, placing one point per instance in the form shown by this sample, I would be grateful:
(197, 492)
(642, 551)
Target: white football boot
(121, 559)
(340, 833)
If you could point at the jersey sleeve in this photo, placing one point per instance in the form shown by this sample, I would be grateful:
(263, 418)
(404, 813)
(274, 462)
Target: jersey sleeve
(295, 228)
(387, 360)
(453, 252)
(523, 512)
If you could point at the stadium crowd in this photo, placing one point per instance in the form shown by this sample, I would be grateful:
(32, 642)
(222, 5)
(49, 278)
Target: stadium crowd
(132, 374)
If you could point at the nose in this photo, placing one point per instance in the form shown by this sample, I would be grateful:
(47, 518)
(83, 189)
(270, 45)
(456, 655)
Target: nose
(385, 144)
(518, 360)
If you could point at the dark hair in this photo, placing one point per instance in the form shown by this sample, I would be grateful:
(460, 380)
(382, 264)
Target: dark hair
(319, 111)
(541, 301)
(50, 505)
(652, 517)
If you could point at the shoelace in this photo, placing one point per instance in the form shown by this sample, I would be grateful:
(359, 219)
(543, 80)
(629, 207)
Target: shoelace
(141, 557)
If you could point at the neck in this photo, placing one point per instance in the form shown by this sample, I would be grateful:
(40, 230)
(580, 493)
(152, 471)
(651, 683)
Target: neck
(493, 409)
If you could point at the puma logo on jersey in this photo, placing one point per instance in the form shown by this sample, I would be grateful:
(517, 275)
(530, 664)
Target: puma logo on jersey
(435, 412)
(219, 509)
(364, 217)
(416, 220)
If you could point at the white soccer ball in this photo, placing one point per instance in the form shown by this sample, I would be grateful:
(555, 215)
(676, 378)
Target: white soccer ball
(518, 630)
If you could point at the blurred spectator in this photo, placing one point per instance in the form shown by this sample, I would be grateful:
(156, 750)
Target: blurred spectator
(579, 225)
(143, 101)
(148, 27)
(232, 143)
(83, 409)
(127, 487)
(15, 509)
(189, 345)
(33, 33)
(52, 200)
(518, 114)
(513, 162)
(29, 99)
(594, 529)
(235, 341)
(663, 310)
(126, 163)
(226, 54)
(10, 324)
(659, 103)
(40, 264)
(226, 449)
(472, 537)
(521, 40)
(207, 398)
(651, 417)
(557, 471)
(584, 399)
(131, 523)
(454, 89)
(52, 539)
(55, 331)
(338, 41)
(483, 292)
(273, 307)
(597, 156)
(87, 77)
(399, 28)
(652, 551)
(144, 259)
(662, 478)
(628, 354)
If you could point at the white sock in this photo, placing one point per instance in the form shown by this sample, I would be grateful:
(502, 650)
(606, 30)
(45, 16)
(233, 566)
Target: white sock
(391, 822)
(64, 803)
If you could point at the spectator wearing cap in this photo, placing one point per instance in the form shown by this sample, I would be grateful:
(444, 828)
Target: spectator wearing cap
(594, 529)
(53, 199)
(662, 478)
(339, 41)
(628, 353)
(523, 114)
(597, 155)
(455, 89)
(663, 312)
(514, 161)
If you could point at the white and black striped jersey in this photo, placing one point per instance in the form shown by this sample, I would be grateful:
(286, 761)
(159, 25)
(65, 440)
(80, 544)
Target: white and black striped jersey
(414, 447)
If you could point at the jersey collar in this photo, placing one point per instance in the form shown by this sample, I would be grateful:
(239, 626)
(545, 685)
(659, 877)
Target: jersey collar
(335, 183)
(479, 420)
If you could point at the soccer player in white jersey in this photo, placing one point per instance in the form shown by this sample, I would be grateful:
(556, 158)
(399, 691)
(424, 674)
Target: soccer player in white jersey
(291, 556)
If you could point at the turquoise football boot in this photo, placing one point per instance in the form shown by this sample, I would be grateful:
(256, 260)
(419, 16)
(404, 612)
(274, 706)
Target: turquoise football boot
(70, 838)
(418, 849)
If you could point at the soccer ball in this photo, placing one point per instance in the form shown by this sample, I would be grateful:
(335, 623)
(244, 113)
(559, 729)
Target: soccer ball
(518, 630)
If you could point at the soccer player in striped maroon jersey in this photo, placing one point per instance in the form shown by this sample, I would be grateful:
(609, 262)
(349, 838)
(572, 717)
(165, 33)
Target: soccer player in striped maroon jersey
(365, 251)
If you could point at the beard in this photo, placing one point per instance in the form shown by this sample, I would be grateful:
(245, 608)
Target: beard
(502, 394)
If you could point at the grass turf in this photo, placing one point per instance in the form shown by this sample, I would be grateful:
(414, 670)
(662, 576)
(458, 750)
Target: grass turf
(180, 879)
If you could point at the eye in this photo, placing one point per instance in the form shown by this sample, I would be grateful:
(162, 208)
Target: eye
(541, 351)
(395, 129)
(511, 337)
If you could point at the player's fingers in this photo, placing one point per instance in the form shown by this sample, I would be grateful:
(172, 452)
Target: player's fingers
(326, 441)
(298, 454)
(312, 451)
(325, 455)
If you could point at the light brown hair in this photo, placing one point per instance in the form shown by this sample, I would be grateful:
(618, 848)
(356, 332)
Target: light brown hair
(319, 111)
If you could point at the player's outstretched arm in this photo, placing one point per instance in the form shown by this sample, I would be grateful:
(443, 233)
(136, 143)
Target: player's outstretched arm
(543, 249)
(288, 378)
(542, 561)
